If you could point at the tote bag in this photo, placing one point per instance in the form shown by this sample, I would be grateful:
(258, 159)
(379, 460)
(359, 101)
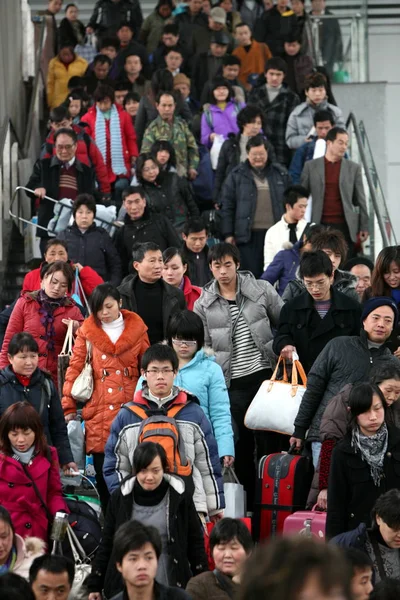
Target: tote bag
(276, 404)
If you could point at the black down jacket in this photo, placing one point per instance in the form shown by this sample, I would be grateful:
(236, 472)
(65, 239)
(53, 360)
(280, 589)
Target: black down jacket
(94, 249)
(44, 398)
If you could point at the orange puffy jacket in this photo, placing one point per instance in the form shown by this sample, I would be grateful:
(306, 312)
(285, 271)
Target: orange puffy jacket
(115, 374)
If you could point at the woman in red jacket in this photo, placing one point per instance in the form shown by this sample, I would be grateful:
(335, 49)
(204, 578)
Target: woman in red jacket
(45, 314)
(25, 457)
(112, 130)
(175, 267)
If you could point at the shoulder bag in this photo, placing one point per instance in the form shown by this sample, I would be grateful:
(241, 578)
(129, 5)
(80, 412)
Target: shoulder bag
(82, 388)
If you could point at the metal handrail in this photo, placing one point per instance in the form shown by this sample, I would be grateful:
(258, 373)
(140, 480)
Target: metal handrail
(38, 75)
(352, 119)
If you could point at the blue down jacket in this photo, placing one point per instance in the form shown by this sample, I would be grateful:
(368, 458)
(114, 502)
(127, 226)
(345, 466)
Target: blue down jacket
(200, 446)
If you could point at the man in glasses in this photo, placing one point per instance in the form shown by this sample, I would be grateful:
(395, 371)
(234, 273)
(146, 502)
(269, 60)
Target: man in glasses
(319, 314)
(61, 176)
(147, 294)
(190, 428)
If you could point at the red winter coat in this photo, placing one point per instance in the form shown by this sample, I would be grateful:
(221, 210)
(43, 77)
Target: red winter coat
(128, 137)
(26, 317)
(115, 373)
(191, 292)
(88, 276)
(18, 495)
(86, 152)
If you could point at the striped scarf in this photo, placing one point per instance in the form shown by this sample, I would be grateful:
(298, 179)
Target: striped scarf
(117, 155)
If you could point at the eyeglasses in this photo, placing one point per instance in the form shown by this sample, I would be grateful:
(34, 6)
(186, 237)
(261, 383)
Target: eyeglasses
(158, 371)
(190, 343)
(315, 286)
(65, 147)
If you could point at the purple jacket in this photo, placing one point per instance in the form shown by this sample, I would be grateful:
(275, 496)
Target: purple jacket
(215, 120)
(284, 267)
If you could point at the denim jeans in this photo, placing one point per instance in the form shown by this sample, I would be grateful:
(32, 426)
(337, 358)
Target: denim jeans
(316, 451)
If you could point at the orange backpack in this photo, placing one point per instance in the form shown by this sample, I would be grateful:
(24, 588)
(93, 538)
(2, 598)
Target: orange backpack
(163, 430)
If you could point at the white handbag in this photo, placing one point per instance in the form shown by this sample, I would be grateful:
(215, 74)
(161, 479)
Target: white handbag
(82, 388)
(276, 404)
(83, 567)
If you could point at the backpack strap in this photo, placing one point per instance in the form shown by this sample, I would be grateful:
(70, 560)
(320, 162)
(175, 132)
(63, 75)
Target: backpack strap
(140, 412)
(209, 120)
(173, 411)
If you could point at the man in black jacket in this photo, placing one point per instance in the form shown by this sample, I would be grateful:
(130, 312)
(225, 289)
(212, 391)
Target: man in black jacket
(147, 294)
(141, 225)
(251, 202)
(207, 64)
(343, 360)
(108, 15)
(195, 251)
(62, 176)
(307, 323)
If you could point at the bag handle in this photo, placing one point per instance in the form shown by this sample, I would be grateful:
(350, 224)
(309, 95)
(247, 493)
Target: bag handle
(67, 346)
(77, 551)
(297, 367)
(232, 474)
(275, 373)
(82, 292)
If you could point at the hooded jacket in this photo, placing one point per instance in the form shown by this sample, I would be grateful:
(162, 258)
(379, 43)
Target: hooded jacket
(18, 495)
(185, 537)
(58, 76)
(261, 310)
(203, 378)
(200, 446)
(27, 550)
(301, 121)
(173, 298)
(284, 266)
(221, 122)
(115, 374)
(343, 360)
(239, 199)
(43, 396)
(190, 292)
(94, 248)
(26, 317)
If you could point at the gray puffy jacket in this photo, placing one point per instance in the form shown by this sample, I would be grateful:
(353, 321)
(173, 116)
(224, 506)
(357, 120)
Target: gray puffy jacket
(301, 120)
(261, 312)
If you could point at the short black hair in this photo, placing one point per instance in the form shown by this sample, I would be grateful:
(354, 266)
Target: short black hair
(162, 93)
(255, 141)
(139, 250)
(361, 398)
(387, 507)
(315, 80)
(194, 226)
(277, 63)
(84, 200)
(102, 59)
(65, 268)
(331, 239)
(172, 28)
(22, 341)
(66, 131)
(161, 353)
(315, 263)
(387, 589)
(228, 529)
(102, 92)
(359, 260)
(173, 49)
(230, 60)
(56, 242)
(248, 114)
(76, 82)
(311, 231)
(15, 587)
(134, 189)
(323, 115)
(381, 371)
(186, 325)
(144, 455)
(108, 41)
(132, 536)
(131, 96)
(100, 293)
(126, 24)
(172, 251)
(334, 132)
(132, 53)
(58, 114)
(293, 194)
(219, 251)
(52, 563)
(242, 25)
(358, 560)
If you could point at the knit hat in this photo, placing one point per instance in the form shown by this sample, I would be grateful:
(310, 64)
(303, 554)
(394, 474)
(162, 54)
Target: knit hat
(374, 303)
(181, 78)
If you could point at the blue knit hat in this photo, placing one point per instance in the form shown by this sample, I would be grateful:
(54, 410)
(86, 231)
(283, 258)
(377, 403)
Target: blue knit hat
(374, 303)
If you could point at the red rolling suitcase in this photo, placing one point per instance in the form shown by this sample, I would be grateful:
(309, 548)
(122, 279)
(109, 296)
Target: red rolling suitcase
(283, 484)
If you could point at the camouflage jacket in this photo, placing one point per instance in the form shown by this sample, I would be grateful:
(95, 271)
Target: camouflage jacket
(181, 138)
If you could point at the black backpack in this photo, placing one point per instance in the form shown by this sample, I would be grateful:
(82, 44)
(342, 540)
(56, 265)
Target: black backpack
(86, 526)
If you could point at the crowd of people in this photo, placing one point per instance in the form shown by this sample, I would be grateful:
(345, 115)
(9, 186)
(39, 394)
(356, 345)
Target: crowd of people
(214, 223)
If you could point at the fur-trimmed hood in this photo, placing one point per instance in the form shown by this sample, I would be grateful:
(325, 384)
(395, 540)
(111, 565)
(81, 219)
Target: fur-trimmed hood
(134, 330)
(175, 482)
(27, 550)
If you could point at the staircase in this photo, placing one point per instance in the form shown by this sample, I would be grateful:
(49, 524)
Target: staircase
(86, 8)
(16, 268)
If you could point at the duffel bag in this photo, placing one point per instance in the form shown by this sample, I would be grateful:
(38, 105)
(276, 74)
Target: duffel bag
(85, 525)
